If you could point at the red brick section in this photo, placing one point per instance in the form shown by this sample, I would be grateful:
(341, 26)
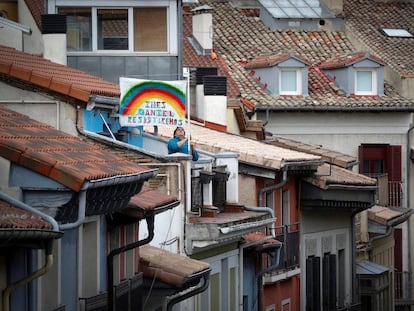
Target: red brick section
(12, 217)
(57, 155)
(52, 76)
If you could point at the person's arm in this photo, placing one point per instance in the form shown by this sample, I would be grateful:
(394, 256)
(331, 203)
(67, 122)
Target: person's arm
(175, 144)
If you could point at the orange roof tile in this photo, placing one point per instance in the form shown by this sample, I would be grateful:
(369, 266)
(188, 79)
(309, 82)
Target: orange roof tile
(57, 155)
(52, 76)
(12, 217)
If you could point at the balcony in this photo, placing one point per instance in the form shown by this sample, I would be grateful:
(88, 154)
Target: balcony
(289, 254)
(390, 193)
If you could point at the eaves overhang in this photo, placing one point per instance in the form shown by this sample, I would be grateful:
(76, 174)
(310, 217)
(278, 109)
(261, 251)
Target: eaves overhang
(324, 108)
(337, 197)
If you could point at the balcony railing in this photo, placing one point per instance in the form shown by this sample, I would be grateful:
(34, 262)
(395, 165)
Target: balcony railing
(289, 255)
(402, 285)
(390, 193)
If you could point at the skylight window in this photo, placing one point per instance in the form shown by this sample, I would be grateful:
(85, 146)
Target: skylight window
(396, 32)
(296, 8)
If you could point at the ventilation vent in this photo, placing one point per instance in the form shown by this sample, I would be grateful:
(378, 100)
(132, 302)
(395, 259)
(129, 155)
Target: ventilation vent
(205, 71)
(214, 85)
(53, 23)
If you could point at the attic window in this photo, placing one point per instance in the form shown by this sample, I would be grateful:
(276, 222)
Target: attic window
(290, 82)
(396, 33)
(366, 82)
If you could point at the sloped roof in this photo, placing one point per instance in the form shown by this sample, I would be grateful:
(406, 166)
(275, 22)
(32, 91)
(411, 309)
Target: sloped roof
(36, 9)
(57, 155)
(263, 61)
(174, 269)
(53, 77)
(191, 58)
(12, 217)
(347, 60)
(363, 20)
(148, 201)
(249, 150)
(240, 38)
(328, 175)
(329, 156)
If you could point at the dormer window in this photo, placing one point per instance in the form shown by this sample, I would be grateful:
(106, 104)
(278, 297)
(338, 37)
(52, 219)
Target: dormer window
(281, 74)
(359, 74)
(290, 82)
(366, 82)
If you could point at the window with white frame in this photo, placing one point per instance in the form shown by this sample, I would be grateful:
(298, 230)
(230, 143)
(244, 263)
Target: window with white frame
(366, 82)
(117, 29)
(290, 81)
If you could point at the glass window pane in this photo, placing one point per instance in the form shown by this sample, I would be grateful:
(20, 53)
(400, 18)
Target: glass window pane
(150, 29)
(364, 81)
(79, 28)
(113, 29)
(288, 82)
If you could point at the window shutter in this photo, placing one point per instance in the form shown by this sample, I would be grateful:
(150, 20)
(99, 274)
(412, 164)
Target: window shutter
(313, 282)
(361, 159)
(394, 163)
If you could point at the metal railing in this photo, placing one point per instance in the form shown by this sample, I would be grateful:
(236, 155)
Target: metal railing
(390, 193)
(402, 285)
(289, 255)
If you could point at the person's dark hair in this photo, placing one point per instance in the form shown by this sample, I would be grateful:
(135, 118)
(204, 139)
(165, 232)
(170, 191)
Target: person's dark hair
(178, 127)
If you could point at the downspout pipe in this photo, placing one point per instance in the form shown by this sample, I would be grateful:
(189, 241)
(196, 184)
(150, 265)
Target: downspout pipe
(390, 225)
(173, 300)
(272, 187)
(110, 258)
(259, 279)
(36, 274)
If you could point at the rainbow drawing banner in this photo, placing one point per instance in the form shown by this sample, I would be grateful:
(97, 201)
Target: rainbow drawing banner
(152, 102)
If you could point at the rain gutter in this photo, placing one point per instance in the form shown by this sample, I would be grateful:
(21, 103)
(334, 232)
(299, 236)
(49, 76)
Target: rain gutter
(102, 182)
(390, 225)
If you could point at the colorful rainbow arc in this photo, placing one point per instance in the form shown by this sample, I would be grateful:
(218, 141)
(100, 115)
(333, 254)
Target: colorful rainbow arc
(138, 94)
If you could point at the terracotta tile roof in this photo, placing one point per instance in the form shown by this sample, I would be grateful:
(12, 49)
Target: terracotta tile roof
(347, 60)
(57, 155)
(327, 155)
(191, 58)
(12, 217)
(382, 214)
(363, 19)
(173, 269)
(36, 9)
(333, 175)
(239, 39)
(53, 77)
(272, 60)
(249, 150)
(147, 200)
